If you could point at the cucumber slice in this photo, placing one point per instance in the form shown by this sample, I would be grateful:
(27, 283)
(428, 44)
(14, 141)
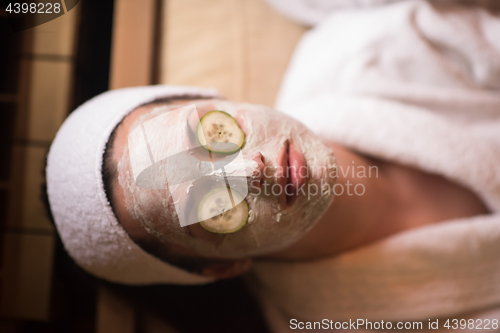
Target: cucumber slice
(222, 132)
(216, 213)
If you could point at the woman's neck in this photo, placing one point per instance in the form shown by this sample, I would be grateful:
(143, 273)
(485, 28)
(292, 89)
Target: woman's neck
(357, 214)
(379, 199)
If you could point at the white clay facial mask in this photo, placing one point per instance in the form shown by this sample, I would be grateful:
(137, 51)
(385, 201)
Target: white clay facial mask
(280, 174)
(162, 156)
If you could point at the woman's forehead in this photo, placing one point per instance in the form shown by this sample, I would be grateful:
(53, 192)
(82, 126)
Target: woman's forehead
(144, 113)
(141, 113)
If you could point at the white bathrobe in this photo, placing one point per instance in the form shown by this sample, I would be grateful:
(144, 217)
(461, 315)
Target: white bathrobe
(417, 84)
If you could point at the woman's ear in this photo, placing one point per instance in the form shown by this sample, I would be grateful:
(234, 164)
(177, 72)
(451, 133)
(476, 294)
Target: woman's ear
(227, 270)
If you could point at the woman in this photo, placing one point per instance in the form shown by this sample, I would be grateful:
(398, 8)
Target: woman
(407, 91)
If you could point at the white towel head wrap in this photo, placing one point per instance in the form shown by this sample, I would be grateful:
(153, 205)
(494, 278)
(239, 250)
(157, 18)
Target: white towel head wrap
(86, 223)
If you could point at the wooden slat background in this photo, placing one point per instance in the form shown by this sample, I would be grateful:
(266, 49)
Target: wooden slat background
(240, 47)
(42, 103)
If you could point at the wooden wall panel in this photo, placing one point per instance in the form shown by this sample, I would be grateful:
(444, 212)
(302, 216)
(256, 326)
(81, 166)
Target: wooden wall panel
(201, 45)
(27, 262)
(56, 37)
(240, 47)
(269, 42)
(34, 216)
(114, 313)
(132, 43)
(48, 98)
(44, 88)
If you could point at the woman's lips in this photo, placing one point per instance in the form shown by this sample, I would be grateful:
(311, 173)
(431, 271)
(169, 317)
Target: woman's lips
(281, 175)
(297, 166)
(290, 173)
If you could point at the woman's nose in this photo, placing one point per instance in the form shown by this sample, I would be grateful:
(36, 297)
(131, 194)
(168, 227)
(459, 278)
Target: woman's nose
(254, 167)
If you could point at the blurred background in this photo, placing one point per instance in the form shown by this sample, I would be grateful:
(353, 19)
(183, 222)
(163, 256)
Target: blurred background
(241, 47)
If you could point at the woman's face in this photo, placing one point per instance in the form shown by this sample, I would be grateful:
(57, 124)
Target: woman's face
(288, 170)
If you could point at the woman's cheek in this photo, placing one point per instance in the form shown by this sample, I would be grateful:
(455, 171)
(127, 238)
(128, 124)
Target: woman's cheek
(205, 108)
(241, 123)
